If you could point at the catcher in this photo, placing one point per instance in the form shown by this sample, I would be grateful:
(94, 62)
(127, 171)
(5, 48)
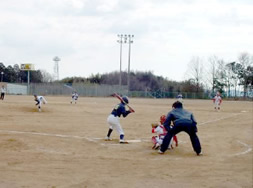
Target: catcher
(160, 129)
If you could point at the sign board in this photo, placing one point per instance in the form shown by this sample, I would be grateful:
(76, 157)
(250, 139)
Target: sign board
(27, 67)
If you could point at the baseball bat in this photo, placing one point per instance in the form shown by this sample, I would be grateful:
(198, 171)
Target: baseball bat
(121, 100)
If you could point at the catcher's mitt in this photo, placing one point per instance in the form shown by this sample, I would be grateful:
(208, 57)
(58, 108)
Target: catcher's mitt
(154, 125)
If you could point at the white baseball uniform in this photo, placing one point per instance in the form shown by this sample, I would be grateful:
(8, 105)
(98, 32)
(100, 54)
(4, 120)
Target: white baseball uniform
(217, 101)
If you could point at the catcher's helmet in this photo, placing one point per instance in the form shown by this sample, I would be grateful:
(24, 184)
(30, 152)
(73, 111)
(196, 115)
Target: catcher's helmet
(125, 99)
(162, 119)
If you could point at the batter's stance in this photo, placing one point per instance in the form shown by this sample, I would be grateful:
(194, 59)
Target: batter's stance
(183, 120)
(113, 120)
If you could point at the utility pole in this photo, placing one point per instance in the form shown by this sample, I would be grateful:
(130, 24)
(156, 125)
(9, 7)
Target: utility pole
(121, 41)
(129, 41)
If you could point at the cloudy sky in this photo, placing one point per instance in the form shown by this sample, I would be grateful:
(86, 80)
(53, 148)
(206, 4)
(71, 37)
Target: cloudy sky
(83, 33)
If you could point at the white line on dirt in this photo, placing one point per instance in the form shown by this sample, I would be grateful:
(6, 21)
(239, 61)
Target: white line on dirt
(249, 149)
(207, 122)
(48, 134)
(96, 139)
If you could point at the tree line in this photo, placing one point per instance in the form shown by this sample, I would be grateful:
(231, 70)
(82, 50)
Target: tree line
(15, 75)
(139, 81)
(226, 77)
(213, 74)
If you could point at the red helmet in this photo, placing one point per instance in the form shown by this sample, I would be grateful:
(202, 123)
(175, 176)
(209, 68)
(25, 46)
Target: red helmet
(162, 119)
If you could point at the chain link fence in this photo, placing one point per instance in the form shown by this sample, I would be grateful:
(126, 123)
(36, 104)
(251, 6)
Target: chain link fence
(88, 90)
(165, 94)
(96, 90)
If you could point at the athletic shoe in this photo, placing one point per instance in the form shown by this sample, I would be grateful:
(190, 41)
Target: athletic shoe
(156, 146)
(108, 138)
(123, 142)
(160, 152)
(199, 154)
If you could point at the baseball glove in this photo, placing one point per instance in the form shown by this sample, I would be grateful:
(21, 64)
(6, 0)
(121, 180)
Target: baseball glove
(154, 125)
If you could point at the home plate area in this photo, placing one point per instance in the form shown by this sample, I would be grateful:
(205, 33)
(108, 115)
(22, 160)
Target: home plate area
(115, 141)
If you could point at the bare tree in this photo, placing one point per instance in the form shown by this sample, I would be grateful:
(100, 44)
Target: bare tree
(213, 61)
(46, 77)
(245, 70)
(195, 71)
(222, 76)
(232, 80)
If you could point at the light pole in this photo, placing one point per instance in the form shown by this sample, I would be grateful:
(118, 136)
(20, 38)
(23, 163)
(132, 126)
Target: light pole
(120, 55)
(129, 41)
(2, 76)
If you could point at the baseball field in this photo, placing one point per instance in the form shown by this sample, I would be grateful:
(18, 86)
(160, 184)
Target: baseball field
(63, 145)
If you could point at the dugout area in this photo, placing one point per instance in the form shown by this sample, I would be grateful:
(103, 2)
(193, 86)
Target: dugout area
(63, 145)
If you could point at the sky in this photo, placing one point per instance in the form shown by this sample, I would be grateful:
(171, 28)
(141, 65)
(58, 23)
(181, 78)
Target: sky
(84, 34)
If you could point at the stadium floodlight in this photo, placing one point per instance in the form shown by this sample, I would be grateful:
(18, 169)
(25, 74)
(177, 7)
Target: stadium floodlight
(129, 41)
(120, 56)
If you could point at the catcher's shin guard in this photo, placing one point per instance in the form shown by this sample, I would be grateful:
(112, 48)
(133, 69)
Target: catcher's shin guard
(153, 139)
(176, 140)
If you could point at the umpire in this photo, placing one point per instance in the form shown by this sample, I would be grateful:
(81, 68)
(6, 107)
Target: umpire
(183, 120)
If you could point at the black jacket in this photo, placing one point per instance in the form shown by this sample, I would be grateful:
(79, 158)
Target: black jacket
(179, 116)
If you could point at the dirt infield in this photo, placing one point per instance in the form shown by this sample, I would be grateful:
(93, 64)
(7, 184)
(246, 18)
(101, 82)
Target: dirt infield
(63, 145)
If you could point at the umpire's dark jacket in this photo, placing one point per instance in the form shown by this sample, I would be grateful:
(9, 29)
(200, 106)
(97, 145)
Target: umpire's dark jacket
(183, 120)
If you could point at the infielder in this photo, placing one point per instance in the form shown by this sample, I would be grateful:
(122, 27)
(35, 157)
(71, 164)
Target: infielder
(183, 120)
(217, 100)
(74, 97)
(39, 100)
(180, 97)
(114, 120)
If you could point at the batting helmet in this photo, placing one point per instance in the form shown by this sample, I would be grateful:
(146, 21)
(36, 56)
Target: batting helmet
(125, 99)
(162, 119)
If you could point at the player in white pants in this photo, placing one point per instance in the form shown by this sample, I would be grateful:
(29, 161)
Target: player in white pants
(180, 97)
(39, 100)
(114, 123)
(114, 120)
(74, 97)
(217, 101)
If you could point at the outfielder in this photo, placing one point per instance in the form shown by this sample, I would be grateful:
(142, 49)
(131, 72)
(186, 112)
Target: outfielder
(74, 97)
(3, 90)
(114, 120)
(217, 100)
(39, 100)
